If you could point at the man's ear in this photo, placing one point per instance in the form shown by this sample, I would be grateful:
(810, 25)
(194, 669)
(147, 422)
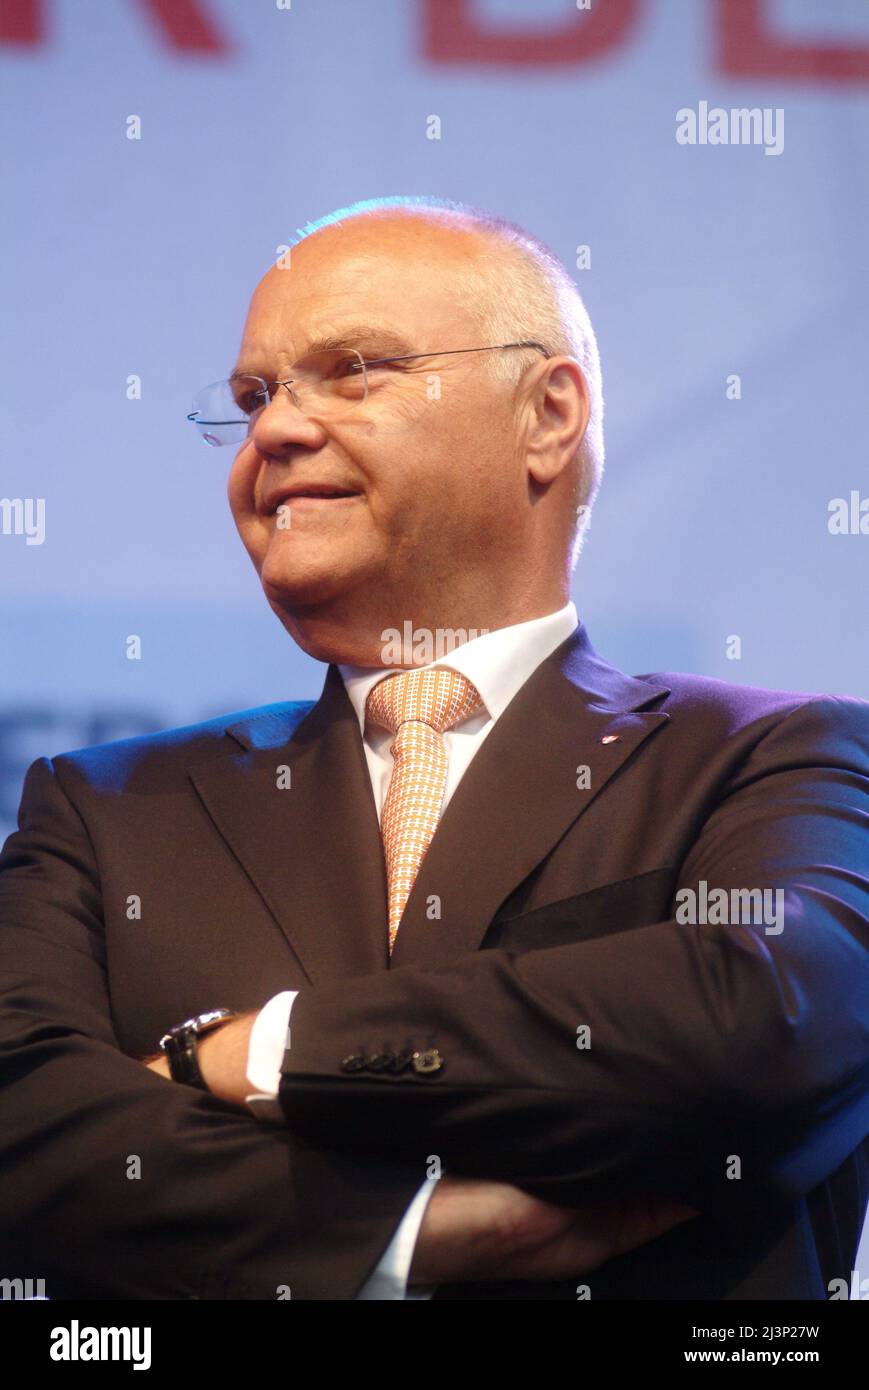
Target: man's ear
(560, 407)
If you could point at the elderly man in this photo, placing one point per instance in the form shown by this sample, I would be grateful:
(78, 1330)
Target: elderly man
(464, 978)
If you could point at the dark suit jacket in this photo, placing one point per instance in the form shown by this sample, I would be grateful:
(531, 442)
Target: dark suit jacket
(160, 876)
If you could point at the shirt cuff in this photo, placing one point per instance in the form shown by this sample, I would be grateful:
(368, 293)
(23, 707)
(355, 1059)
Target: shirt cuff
(389, 1279)
(269, 1040)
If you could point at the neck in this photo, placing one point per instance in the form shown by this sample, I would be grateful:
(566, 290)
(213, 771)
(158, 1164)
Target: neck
(406, 634)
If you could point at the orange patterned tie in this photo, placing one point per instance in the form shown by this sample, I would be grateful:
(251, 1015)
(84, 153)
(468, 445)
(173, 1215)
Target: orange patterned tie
(417, 707)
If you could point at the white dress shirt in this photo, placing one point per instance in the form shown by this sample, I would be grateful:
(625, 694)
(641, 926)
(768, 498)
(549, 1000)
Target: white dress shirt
(498, 664)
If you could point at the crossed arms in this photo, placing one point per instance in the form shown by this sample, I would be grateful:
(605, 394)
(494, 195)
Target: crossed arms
(707, 1041)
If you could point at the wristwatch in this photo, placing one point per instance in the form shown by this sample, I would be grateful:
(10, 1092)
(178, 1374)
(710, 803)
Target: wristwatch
(179, 1045)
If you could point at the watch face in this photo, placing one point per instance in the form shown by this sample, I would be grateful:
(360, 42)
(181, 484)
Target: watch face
(200, 1023)
(213, 1019)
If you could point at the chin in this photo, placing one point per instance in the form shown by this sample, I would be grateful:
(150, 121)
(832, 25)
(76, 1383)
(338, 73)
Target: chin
(299, 579)
(289, 589)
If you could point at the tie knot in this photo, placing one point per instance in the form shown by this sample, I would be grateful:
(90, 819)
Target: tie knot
(437, 697)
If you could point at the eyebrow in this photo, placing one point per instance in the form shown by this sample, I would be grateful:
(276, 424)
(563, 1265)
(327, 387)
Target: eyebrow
(376, 342)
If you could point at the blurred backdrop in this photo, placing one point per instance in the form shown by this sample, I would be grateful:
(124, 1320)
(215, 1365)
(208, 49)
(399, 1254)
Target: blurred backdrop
(160, 153)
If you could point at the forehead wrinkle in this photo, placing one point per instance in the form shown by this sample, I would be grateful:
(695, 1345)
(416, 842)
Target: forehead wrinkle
(366, 337)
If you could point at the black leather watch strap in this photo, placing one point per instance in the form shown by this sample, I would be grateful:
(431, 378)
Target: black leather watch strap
(180, 1046)
(181, 1052)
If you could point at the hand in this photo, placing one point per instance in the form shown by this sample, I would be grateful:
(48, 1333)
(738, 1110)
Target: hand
(475, 1230)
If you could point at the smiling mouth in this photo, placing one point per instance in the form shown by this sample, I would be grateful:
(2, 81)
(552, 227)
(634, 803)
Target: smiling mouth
(316, 495)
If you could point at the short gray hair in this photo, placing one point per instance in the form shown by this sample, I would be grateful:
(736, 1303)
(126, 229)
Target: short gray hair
(526, 293)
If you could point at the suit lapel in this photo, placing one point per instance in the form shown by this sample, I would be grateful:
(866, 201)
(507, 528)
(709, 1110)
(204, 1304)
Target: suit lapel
(313, 850)
(520, 794)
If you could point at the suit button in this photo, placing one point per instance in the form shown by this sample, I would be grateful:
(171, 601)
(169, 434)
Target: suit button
(355, 1062)
(424, 1063)
(378, 1061)
(402, 1060)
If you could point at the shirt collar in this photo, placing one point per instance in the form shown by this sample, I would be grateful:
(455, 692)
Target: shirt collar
(498, 663)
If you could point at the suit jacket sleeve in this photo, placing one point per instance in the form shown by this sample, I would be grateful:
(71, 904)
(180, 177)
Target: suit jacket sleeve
(117, 1183)
(726, 1065)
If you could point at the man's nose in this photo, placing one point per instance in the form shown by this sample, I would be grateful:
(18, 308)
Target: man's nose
(282, 423)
